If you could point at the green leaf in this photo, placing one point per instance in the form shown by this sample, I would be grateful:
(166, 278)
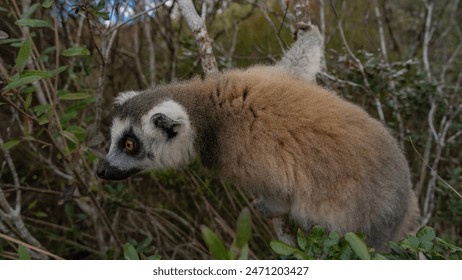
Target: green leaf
(10, 41)
(154, 257)
(75, 52)
(103, 15)
(302, 256)
(41, 109)
(10, 144)
(57, 71)
(70, 136)
(28, 138)
(43, 58)
(3, 9)
(32, 23)
(49, 50)
(100, 5)
(43, 74)
(23, 253)
(75, 96)
(32, 205)
(426, 246)
(314, 241)
(358, 246)
(44, 119)
(398, 250)
(282, 248)
(301, 239)
(379, 257)
(332, 240)
(80, 130)
(130, 252)
(317, 232)
(426, 234)
(215, 244)
(244, 252)
(28, 101)
(22, 81)
(346, 253)
(243, 228)
(448, 244)
(23, 55)
(47, 3)
(411, 243)
(40, 214)
(30, 11)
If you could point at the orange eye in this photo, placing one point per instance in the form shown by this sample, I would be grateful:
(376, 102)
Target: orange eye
(129, 145)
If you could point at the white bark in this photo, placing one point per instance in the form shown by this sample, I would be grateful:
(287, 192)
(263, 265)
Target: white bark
(14, 214)
(199, 30)
(391, 82)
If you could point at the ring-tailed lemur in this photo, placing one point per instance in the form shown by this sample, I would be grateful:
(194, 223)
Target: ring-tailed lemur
(306, 152)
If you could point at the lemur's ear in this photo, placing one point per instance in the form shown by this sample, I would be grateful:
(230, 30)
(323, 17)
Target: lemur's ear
(169, 126)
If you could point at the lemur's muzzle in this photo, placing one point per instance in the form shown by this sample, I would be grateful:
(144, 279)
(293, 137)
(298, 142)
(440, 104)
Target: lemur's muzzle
(108, 172)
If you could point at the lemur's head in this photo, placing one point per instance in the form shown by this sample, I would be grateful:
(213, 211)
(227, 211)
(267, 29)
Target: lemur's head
(148, 132)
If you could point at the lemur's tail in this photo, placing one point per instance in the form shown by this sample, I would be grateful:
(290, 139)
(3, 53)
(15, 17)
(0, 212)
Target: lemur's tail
(303, 59)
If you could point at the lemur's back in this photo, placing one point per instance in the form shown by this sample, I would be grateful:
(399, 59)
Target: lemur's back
(336, 165)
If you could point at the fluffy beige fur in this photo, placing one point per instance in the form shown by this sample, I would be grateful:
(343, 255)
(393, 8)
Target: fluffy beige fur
(303, 150)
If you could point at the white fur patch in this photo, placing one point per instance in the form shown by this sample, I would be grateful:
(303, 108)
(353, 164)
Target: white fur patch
(124, 96)
(118, 128)
(178, 150)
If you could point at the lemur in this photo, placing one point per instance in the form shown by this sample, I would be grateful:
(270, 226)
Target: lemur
(305, 152)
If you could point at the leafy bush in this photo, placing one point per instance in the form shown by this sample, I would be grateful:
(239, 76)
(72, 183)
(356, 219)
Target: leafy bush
(318, 244)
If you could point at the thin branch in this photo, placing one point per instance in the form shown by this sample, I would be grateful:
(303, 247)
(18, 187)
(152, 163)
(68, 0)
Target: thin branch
(152, 53)
(377, 102)
(383, 47)
(198, 28)
(264, 10)
(340, 81)
(15, 214)
(29, 246)
(423, 169)
(427, 37)
(136, 56)
(454, 137)
(101, 211)
(391, 82)
(136, 16)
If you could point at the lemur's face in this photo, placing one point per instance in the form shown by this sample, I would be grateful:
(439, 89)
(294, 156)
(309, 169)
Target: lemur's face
(159, 137)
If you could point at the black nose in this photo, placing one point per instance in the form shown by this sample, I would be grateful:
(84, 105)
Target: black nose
(108, 172)
(101, 172)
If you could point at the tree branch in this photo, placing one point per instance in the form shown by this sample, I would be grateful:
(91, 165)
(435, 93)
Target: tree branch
(199, 30)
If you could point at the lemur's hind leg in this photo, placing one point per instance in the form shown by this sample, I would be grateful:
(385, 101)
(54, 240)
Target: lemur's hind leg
(277, 209)
(282, 228)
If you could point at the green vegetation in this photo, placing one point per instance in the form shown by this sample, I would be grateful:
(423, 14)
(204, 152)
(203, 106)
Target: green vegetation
(318, 244)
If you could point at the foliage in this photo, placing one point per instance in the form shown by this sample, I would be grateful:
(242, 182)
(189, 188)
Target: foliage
(318, 244)
(239, 249)
(138, 251)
